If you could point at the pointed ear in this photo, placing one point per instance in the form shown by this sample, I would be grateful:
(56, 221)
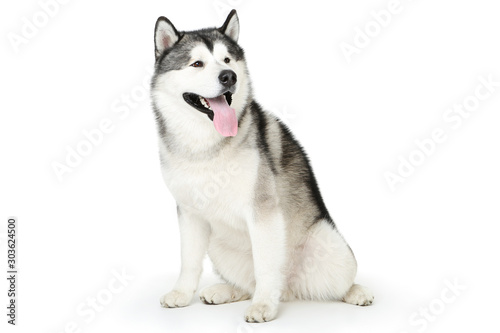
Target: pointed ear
(231, 27)
(165, 35)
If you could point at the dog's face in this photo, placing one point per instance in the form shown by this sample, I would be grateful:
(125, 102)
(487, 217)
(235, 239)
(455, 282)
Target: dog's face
(201, 75)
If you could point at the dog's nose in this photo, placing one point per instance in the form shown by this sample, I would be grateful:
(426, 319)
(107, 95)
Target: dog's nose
(227, 78)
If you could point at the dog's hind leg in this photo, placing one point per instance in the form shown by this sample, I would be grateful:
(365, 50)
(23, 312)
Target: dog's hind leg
(223, 293)
(324, 268)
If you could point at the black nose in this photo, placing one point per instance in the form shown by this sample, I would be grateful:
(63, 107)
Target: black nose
(227, 78)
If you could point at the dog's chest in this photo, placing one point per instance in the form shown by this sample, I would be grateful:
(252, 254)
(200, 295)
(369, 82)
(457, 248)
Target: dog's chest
(220, 188)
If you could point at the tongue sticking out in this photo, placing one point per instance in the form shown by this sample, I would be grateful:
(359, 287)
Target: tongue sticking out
(225, 120)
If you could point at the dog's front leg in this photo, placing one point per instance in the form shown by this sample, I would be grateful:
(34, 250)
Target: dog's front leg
(195, 233)
(267, 233)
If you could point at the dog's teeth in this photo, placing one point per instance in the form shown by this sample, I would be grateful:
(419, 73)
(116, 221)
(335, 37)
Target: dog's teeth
(203, 102)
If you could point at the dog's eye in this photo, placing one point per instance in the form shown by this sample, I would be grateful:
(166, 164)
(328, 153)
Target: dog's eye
(197, 64)
(227, 60)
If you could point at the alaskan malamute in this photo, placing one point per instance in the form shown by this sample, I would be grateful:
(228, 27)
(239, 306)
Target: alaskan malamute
(245, 191)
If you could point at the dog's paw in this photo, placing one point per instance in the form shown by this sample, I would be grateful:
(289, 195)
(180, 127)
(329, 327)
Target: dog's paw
(175, 299)
(261, 312)
(222, 293)
(358, 295)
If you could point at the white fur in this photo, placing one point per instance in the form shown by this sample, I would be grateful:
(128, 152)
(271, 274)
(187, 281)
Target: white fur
(358, 295)
(192, 253)
(322, 267)
(223, 293)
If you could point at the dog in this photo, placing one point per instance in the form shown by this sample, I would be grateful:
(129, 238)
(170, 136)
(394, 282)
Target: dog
(245, 190)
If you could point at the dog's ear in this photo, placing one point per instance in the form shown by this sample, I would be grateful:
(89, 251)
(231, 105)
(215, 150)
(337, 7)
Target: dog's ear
(231, 27)
(165, 35)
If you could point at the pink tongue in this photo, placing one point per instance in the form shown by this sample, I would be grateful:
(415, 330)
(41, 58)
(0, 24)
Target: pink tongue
(225, 120)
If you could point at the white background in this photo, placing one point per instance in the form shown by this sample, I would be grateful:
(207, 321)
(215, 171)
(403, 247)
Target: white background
(113, 212)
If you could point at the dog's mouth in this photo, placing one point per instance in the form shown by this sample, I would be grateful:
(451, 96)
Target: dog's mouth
(202, 104)
(217, 109)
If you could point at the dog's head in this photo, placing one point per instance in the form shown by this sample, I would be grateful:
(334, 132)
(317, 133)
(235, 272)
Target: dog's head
(200, 76)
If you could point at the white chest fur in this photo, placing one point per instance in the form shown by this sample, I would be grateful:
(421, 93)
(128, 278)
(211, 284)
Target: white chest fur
(221, 187)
